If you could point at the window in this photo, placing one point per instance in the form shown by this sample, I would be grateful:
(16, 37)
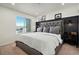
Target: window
(22, 24)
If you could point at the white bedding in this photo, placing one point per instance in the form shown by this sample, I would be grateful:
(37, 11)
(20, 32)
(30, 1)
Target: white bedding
(43, 42)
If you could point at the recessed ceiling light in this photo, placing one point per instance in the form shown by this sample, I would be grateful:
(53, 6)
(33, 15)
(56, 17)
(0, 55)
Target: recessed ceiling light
(13, 3)
(62, 3)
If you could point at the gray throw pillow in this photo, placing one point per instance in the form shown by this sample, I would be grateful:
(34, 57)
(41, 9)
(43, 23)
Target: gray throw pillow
(51, 29)
(45, 29)
(55, 30)
(39, 29)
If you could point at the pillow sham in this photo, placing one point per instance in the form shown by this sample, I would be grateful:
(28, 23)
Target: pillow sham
(39, 29)
(45, 29)
(55, 30)
(51, 29)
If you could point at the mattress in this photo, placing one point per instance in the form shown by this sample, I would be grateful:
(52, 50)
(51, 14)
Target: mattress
(43, 42)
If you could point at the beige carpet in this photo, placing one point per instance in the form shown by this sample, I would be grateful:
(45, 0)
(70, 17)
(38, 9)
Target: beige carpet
(69, 50)
(11, 49)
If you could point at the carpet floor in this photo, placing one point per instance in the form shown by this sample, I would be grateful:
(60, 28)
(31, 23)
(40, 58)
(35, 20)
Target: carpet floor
(11, 49)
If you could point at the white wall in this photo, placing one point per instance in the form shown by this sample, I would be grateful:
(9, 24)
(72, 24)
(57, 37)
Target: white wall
(8, 25)
(66, 12)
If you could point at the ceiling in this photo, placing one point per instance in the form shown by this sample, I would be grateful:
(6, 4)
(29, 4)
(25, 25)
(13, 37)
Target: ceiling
(35, 9)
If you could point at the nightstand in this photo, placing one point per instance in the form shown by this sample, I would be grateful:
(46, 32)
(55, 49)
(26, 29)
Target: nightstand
(70, 38)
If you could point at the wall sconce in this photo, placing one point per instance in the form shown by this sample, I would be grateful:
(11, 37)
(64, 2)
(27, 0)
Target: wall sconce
(70, 23)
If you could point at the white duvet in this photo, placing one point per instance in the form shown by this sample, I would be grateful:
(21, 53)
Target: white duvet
(43, 42)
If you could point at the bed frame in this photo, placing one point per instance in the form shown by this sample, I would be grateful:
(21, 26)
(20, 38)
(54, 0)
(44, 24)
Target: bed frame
(32, 51)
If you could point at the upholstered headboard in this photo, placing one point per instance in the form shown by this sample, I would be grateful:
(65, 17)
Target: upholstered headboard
(50, 24)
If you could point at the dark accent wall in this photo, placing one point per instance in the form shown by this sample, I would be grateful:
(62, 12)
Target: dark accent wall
(78, 32)
(70, 24)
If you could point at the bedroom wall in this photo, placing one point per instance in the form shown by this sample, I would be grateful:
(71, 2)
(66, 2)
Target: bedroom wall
(8, 24)
(66, 12)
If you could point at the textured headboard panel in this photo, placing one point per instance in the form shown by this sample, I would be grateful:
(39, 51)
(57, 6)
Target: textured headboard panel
(52, 23)
(48, 23)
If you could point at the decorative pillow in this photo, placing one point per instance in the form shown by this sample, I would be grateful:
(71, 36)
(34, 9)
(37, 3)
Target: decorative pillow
(55, 30)
(39, 29)
(51, 29)
(45, 29)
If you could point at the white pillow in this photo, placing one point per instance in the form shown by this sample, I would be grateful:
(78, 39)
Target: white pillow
(51, 29)
(45, 29)
(55, 30)
(39, 29)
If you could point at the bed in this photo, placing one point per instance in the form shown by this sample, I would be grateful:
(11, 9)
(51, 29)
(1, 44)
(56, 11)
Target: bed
(41, 42)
